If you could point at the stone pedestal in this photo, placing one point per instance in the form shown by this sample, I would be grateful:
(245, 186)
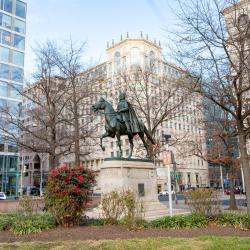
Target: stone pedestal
(136, 175)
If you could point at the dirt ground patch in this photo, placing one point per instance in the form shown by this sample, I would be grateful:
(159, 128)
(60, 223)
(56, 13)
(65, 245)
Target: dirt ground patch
(118, 232)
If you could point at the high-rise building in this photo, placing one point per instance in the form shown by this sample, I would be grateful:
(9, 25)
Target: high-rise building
(12, 48)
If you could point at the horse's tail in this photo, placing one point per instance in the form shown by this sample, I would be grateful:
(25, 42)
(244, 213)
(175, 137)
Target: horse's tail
(148, 135)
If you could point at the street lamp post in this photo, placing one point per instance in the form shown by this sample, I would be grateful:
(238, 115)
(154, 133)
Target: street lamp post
(175, 183)
(167, 137)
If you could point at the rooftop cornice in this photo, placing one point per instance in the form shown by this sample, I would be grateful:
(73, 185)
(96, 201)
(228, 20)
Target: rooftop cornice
(236, 6)
(134, 39)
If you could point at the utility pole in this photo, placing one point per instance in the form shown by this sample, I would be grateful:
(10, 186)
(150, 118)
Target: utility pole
(221, 178)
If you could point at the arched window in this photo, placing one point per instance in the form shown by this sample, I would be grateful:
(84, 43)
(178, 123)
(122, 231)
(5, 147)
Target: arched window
(117, 60)
(243, 21)
(151, 57)
(152, 62)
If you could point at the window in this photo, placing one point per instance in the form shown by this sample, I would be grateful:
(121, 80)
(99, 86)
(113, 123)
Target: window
(18, 58)
(112, 154)
(4, 89)
(7, 5)
(135, 57)
(3, 104)
(124, 63)
(5, 21)
(4, 71)
(151, 57)
(189, 178)
(117, 60)
(5, 37)
(12, 148)
(20, 9)
(17, 74)
(15, 91)
(197, 178)
(127, 152)
(19, 42)
(19, 26)
(4, 54)
(243, 21)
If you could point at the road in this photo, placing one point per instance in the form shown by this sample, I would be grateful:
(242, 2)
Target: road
(240, 199)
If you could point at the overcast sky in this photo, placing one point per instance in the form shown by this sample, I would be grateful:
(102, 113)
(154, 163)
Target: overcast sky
(94, 21)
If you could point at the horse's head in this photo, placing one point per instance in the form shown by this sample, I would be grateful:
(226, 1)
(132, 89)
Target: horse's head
(100, 105)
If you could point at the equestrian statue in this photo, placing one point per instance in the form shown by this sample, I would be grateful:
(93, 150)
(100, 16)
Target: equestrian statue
(122, 122)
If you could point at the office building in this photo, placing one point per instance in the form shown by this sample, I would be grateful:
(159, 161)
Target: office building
(12, 50)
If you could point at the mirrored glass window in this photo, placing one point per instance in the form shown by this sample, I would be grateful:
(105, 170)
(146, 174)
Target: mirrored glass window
(4, 71)
(18, 58)
(1, 4)
(3, 104)
(5, 21)
(20, 9)
(19, 26)
(13, 107)
(15, 91)
(4, 54)
(4, 89)
(17, 74)
(5, 37)
(8, 5)
(19, 42)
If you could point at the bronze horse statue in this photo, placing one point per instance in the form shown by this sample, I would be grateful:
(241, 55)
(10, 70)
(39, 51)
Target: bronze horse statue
(114, 127)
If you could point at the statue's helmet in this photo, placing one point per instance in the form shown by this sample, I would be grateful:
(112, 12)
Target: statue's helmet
(122, 96)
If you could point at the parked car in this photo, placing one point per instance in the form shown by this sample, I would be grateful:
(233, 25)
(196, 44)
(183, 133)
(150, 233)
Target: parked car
(236, 191)
(35, 191)
(165, 192)
(2, 196)
(31, 190)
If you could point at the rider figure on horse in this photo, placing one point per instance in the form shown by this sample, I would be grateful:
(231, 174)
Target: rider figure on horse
(126, 113)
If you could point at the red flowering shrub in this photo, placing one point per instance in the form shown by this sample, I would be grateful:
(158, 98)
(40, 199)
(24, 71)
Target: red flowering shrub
(67, 192)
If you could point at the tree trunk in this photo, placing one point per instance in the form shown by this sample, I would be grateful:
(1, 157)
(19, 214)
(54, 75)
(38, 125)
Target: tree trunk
(233, 205)
(245, 165)
(52, 161)
(76, 127)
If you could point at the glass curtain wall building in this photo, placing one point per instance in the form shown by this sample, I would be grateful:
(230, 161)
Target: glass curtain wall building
(12, 47)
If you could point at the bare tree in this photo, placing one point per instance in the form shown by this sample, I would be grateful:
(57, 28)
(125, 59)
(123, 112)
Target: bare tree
(158, 98)
(216, 51)
(223, 145)
(81, 90)
(35, 125)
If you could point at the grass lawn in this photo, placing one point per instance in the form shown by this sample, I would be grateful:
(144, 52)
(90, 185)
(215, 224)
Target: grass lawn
(205, 242)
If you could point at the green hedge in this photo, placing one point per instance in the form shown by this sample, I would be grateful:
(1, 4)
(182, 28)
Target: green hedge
(232, 219)
(6, 221)
(180, 221)
(22, 225)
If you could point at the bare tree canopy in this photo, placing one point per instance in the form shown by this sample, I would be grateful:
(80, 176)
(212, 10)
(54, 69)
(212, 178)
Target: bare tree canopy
(55, 117)
(212, 43)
